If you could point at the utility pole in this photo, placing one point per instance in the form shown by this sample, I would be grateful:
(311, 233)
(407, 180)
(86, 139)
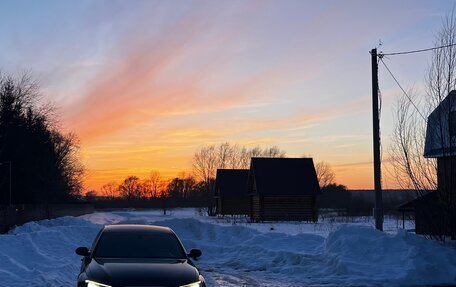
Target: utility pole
(378, 209)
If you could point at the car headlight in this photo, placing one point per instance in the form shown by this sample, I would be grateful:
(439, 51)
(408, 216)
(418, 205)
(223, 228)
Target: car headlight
(96, 284)
(194, 284)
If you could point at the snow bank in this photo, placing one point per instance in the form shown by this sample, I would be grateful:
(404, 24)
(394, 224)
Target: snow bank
(404, 259)
(42, 253)
(351, 255)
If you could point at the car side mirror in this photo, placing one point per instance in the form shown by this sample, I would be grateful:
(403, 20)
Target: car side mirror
(83, 251)
(194, 253)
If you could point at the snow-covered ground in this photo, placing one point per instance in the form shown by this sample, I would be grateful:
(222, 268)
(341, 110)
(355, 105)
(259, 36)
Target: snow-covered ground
(238, 253)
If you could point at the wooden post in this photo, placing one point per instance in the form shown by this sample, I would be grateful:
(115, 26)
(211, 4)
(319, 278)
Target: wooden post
(378, 209)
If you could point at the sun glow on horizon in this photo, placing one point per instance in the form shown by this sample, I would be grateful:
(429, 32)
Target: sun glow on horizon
(145, 85)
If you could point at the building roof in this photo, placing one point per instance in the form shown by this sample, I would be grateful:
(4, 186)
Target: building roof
(283, 176)
(441, 129)
(231, 183)
(410, 205)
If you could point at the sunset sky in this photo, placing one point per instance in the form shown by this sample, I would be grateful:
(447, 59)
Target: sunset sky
(145, 83)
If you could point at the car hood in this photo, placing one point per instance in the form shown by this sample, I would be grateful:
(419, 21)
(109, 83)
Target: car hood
(142, 272)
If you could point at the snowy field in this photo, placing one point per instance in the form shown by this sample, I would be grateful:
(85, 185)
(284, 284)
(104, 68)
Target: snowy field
(237, 253)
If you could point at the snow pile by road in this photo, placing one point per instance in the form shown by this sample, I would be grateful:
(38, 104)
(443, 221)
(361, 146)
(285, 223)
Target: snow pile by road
(352, 255)
(42, 253)
(404, 259)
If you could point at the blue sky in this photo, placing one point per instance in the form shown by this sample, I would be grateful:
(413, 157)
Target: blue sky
(145, 83)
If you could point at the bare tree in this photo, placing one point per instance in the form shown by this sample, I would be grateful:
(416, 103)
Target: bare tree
(243, 158)
(440, 81)
(246, 155)
(225, 155)
(131, 188)
(110, 190)
(325, 174)
(205, 162)
(440, 78)
(255, 152)
(410, 168)
(156, 184)
(209, 158)
(273, 151)
(182, 187)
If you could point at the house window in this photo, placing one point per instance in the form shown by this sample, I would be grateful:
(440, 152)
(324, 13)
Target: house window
(452, 123)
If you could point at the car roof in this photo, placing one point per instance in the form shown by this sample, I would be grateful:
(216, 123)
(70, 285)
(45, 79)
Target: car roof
(140, 228)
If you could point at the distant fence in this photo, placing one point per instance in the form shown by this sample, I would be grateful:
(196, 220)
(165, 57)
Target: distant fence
(361, 203)
(19, 214)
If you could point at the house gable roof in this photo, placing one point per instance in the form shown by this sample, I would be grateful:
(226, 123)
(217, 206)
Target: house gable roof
(231, 183)
(440, 140)
(283, 176)
(431, 196)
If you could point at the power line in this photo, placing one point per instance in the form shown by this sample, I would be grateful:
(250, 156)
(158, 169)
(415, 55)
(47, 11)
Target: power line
(405, 93)
(415, 51)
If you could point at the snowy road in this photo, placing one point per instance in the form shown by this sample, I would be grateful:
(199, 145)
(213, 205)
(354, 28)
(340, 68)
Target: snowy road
(41, 253)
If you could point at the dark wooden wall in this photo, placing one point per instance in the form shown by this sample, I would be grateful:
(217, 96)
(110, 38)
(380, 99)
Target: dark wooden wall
(284, 208)
(255, 208)
(233, 206)
(435, 218)
(446, 177)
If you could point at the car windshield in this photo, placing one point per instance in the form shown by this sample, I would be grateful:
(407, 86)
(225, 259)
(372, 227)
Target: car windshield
(139, 245)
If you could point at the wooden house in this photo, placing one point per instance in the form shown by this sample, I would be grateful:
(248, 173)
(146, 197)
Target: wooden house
(435, 212)
(441, 144)
(283, 189)
(431, 214)
(231, 192)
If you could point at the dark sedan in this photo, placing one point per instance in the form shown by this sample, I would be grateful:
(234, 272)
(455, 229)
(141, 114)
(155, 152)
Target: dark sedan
(138, 255)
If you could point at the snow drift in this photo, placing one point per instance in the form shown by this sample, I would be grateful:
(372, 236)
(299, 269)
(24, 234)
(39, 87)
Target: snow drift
(42, 253)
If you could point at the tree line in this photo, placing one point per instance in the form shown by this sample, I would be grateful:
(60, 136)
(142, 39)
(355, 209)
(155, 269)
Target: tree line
(199, 182)
(155, 186)
(38, 162)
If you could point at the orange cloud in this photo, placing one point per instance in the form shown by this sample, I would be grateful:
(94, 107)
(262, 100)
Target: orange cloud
(141, 83)
(169, 148)
(160, 97)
